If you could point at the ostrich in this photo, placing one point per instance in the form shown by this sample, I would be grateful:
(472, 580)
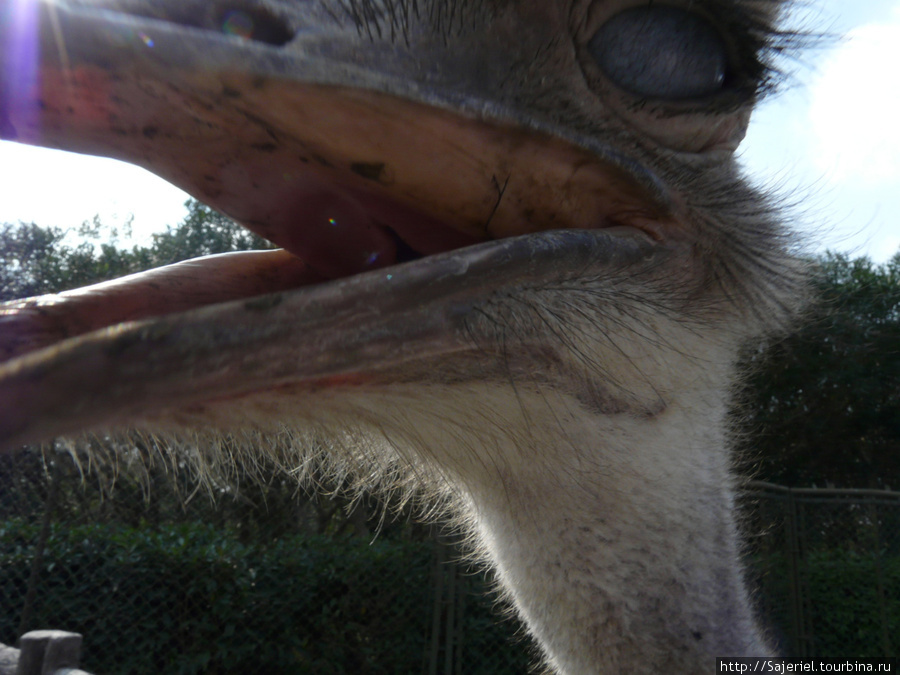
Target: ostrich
(518, 262)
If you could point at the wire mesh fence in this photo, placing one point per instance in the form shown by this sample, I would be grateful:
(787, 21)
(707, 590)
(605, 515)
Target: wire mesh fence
(827, 565)
(158, 578)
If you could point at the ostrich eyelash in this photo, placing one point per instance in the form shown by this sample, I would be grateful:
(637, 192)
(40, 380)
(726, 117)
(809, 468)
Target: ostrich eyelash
(760, 46)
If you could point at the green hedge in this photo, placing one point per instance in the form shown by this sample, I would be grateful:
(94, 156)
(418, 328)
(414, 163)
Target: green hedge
(190, 598)
(845, 605)
(847, 609)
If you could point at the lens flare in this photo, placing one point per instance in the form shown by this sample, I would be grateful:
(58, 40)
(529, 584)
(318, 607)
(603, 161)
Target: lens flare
(238, 23)
(19, 26)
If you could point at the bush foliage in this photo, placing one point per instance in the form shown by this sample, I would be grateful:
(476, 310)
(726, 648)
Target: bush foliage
(851, 601)
(194, 599)
(822, 406)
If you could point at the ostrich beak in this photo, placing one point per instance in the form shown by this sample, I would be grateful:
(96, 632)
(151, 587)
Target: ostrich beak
(405, 192)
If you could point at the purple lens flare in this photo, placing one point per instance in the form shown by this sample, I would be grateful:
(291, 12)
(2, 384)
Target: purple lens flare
(19, 34)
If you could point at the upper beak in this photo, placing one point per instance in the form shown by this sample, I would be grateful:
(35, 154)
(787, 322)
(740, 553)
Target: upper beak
(352, 152)
(260, 125)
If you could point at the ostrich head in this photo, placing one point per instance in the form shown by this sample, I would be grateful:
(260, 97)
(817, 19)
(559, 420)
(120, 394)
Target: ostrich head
(518, 262)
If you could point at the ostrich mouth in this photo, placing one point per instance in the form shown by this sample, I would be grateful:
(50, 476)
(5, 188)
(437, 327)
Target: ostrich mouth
(398, 211)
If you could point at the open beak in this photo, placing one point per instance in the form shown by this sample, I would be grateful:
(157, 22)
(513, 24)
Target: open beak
(404, 201)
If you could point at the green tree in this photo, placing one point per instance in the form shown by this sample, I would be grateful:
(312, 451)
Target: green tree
(823, 405)
(35, 260)
(202, 232)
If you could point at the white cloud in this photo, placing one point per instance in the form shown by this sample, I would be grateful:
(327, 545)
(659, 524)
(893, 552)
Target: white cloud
(854, 107)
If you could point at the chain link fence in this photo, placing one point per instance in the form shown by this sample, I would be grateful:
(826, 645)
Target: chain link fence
(159, 578)
(827, 566)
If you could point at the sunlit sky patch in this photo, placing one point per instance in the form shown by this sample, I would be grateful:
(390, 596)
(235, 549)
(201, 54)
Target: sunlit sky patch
(833, 139)
(854, 146)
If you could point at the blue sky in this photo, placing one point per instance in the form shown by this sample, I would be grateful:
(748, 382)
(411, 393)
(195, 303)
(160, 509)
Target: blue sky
(830, 143)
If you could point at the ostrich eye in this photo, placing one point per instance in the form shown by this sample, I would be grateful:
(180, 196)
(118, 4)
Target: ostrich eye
(661, 52)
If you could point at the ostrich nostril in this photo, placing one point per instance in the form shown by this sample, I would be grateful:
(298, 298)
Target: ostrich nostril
(240, 19)
(253, 24)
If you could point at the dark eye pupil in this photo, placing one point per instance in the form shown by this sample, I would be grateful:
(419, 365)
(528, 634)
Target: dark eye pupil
(661, 52)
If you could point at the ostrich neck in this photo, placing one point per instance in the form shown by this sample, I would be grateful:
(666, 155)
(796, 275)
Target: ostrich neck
(593, 474)
(624, 558)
